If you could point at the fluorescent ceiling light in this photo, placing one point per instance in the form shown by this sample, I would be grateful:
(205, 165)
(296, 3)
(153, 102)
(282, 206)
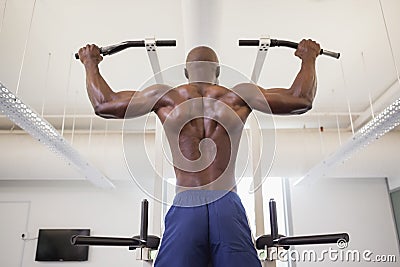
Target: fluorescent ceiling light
(386, 121)
(45, 133)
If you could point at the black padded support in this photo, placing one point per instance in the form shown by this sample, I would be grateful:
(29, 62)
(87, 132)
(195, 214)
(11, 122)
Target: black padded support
(152, 242)
(267, 241)
(312, 239)
(104, 241)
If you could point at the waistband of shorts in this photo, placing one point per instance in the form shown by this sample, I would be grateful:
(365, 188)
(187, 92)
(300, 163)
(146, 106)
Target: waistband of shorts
(192, 198)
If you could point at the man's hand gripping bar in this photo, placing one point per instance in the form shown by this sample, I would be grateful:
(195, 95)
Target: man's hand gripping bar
(275, 43)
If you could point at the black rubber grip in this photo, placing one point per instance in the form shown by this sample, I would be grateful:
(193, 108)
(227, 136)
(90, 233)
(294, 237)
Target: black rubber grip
(249, 42)
(166, 43)
(312, 239)
(105, 241)
(290, 44)
(112, 49)
(277, 43)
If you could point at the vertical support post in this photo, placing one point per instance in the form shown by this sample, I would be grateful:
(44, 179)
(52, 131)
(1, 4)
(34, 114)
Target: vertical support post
(143, 253)
(158, 181)
(273, 219)
(257, 179)
(287, 198)
(151, 49)
(268, 263)
(144, 225)
(261, 55)
(271, 258)
(256, 145)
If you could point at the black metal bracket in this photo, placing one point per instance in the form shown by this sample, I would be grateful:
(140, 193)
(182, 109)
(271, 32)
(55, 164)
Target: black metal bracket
(277, 240)
(141, 241)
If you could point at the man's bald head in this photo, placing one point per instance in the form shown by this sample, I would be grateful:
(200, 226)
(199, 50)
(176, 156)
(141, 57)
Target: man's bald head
(202, 53)
(202, 65)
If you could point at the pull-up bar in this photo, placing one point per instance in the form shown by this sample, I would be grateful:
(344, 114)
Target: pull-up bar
(115, 48)
(264, 44)
(276, 43)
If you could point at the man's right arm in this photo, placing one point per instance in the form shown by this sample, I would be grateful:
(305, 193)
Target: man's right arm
(118, 105)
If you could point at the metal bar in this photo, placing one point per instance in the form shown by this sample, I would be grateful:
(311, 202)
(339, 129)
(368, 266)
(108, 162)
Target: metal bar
(264, 44)
(275, 43)
(144, 220)
(256, 144)
(312, 239)
(159, 183)
(115, 48)
(105, 241)
(273, 218)
(287, 199)
(151, 48)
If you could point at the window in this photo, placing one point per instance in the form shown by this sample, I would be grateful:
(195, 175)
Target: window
(272, 188)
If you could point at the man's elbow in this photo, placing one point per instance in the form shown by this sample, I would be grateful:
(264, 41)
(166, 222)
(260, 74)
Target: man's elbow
(305, 107)
(103, 112)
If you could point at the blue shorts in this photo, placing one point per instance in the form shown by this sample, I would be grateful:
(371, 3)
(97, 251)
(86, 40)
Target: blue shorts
(214, 234)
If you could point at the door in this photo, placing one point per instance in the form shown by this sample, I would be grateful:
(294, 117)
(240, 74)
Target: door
(13, 223)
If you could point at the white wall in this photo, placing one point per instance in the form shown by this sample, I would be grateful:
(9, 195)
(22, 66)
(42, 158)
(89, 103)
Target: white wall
(75, 204)
(294, 152)
(360, 207)
(298, 151)
(357, 206)
(60, 197)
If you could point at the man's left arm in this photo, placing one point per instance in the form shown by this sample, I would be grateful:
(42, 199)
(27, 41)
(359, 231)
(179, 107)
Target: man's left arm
(298, 98)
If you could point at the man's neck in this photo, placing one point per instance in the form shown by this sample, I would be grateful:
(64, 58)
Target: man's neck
(197, 79)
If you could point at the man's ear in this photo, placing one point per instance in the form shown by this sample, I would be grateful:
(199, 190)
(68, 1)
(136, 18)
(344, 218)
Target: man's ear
(218, 71)
(186, 74)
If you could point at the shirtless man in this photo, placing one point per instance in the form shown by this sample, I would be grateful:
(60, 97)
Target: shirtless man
(203, 122)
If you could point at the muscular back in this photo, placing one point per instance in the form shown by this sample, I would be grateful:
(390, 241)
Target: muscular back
(203, 124)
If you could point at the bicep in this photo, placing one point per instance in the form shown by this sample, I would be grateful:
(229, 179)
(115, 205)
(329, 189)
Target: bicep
(116, 107)
(272, 101)
(258, 98)
(281, 103)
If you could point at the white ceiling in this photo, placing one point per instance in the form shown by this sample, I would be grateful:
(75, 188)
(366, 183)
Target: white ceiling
(37, 52)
